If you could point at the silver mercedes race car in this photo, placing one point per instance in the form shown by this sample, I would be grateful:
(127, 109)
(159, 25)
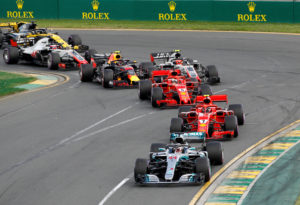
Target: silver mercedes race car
(178, 163)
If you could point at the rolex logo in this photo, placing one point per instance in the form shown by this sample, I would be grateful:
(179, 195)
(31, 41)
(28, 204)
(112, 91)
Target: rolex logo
(95, 5)
(251, 6)
(20, 4)
(172, 6)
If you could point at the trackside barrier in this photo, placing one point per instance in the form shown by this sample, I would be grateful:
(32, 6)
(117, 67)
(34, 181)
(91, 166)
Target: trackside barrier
(154, 10)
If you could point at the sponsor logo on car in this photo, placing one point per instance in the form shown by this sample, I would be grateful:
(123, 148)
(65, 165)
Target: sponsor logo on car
(172, 16)
(20, 13)
(95, 15)
(251, 17)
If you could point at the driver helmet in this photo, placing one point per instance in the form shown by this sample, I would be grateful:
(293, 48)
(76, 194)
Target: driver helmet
(178, 62)
(207, 99)
(115, 56)
(178, 150)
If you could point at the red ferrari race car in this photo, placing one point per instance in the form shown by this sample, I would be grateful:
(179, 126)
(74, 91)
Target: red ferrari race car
(207, 118)
(173, 60)
(112, 70)
(167, 88)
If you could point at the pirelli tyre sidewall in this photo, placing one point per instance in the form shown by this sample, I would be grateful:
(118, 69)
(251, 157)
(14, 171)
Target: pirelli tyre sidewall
(11, 55)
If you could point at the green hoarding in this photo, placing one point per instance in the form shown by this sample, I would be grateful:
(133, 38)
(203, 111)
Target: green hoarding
(154, 10)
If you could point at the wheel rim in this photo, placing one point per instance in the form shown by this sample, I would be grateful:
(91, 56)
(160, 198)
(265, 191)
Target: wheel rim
(5, 55)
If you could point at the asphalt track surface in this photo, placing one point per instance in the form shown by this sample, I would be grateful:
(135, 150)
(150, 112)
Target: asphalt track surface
(72, 144)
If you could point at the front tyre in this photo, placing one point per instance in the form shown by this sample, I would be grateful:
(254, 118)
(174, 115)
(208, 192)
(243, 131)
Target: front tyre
(140, 169)
(53, 61)
(157, 95)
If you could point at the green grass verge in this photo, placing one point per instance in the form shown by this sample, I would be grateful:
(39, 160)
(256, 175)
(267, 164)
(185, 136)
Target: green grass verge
(8, 81)
(189, 25)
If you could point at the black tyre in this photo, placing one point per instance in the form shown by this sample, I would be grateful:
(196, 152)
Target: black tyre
(215, 153)
(74, 40)
(145, 87)
(155, 147)
(231, 124)
(202, 166)
(205, 90)
(108, 77)
(213, 75)
(86, 72)
(140, 169)
(238, 112)
(147, 68)
(11, 55)
(184, 109)
(1, 38)
(157, 94)
(53, 61)
(88, 55)
(176, 125)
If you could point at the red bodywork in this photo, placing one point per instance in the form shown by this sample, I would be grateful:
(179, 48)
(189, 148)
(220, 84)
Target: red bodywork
(208, 118)
(177, 90)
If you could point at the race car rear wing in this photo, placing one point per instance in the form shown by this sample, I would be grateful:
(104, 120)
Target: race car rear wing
(213, 98)
(165, 55)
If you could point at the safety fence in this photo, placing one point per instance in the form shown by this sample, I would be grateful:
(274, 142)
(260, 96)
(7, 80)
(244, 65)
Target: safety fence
(154, 10)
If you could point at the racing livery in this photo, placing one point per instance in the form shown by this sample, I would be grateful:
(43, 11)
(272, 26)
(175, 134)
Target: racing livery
(178, 163)
(112, 71)
(173, 60)
(208, 119)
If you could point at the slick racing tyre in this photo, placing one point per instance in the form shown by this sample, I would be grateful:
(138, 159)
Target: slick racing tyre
(11, 55)
(205, 90)
(53, 61)
(157, 94)
(231, 124)
(215, 153)
(212, 74)
(146, 68)
(155, 147)
(202, 166)
(88, 55)
(108, 77)
(74, 40)
(184, 109)
(238, 112)
(140, 169)
(144, 91)
(176, 125)
(1, 38)
(86, 73)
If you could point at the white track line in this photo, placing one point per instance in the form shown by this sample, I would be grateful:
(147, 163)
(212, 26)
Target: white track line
(107, 128)
(113, 191)
(93, 125)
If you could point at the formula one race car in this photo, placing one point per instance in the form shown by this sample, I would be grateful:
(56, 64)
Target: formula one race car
(112, 71)
(173, 60)
(48, 49)
(168, 88)
(209, 119)
(178, 163)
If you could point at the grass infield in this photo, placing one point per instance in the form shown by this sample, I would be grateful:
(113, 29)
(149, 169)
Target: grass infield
(189, 25)
(8, 81)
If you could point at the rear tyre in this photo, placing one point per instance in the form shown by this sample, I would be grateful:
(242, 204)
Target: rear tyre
(53, 61)
(205, 90)
(176, 125)
(215, 152)
(145, 87)
(157, 94)
(184, 109)
(231, 124)
(86, 72)
(238, 112)
(155, 147)
(88, 55)
(146, 68)
(202, 166)
(108, 77)
(213, 75)
(11, 55)
(74, 40)
(140, 169)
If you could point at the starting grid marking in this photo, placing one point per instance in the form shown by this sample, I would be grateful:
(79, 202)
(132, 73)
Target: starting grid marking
(41, 81)
(234, 186)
